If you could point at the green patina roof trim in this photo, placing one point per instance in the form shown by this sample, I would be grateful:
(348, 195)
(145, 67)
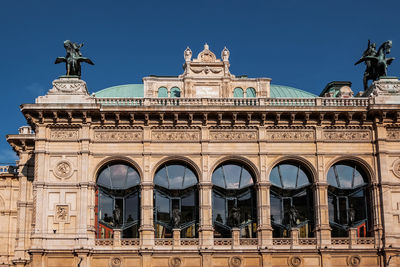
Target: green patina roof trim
(137, 90)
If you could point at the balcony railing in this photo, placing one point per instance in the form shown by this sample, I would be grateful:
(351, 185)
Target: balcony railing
(261, 102)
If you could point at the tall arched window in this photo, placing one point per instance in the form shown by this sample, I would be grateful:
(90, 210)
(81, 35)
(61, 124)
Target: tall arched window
(162, 92)
(118, 201)
(238, 92)
(234, 200)
(175, 92)
(250, 92)
(292, 202)
(175, 200)
(349, 205)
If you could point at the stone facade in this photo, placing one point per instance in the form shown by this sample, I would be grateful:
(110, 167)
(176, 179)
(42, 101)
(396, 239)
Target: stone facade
(50, 213)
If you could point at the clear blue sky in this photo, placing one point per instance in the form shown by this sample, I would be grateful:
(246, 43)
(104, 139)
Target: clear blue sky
(301, 43)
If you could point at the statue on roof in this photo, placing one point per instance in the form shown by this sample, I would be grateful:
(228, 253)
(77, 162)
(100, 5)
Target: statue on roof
(73, 58)
(375, 61)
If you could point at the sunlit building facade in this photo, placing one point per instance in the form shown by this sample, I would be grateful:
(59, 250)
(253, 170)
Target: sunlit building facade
(205, 169)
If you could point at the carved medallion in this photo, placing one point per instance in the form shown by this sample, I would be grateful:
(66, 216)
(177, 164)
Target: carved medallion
(63, 169)
(295, 261)
(62, 213)
(354, 260)
(235, 262)
(175, 262)
(396, 168)
(116, 262)
(118, 136)
(64, 134)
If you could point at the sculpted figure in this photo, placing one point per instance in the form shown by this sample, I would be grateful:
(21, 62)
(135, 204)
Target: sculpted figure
(73, 58)
(176, 218)
(234, 217)
(117, 216)
(375, 61)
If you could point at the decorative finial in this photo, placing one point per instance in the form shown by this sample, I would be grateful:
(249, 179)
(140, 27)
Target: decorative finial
(73, 58)
(187, 54)
(206, 46)
(225, 54)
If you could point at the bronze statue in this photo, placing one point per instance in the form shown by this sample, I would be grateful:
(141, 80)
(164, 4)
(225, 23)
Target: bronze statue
(176, 218)
(234, 217)
(375, 61)
(73, 58)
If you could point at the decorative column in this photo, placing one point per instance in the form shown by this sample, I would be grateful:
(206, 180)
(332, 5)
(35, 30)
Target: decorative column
(264, 215)
(147, 222)
(322, 228)
(176, 235)
(294, 234)
(206, 228)
(235, 237)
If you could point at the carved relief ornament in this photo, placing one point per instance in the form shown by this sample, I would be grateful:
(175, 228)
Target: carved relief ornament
(175, 135)
(64, 134)
(291, 136)
(175, 262)
(354, 260)
(62, 213)
(118, 136)
(295, 261)
(396, 168)
(63, 169)
(393, 133)
(235, 261)
(233, 135)
(347, 135)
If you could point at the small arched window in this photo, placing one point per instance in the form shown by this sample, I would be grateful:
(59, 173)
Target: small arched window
(118, 200)
(292, 202)
(238, 92)
(175, 200)
(175, 92)
(250, 92)
(348, 198)
(234, 200)
(162, 92)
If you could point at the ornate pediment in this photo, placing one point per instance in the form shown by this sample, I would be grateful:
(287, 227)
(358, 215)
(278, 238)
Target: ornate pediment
(206, 56)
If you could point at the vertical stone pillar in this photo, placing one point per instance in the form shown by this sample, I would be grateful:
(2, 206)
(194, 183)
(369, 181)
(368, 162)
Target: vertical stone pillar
(235, 237)
(323, 230)
(294, 234)
(206, 229)
(176, 235)
(117, 237)
(264, 228)
(353, 237)
(147, 223)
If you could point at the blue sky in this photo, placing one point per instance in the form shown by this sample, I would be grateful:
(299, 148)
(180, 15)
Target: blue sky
(304, 44)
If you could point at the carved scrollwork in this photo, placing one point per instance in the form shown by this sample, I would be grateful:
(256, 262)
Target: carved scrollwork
(235, 261)
(176, 135)
(64, 134)
(393, 133)
(291, 136)
(118, 136)
(233, 135)
(295, 261)
(354, 260)
(69, 86)
(175, 262)
(62, 213)
(347, 135)
(63, 169)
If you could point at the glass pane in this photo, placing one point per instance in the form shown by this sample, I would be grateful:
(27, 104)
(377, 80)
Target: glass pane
(162, 208)
(175, 176)
(131, 232)
(345, 174)
(188, 208)
(342, 210)
(245, 207)
(104, 178)
(289, 175)
(357, 207)
(218, 178)
(332, 177)
(175, 92)
(161, 178)
(131, 208)
(133, 178)
(246, 179)
(331, 207)
(358, 179)
(238, 92)
(219, 209)
(232, 175)
(106, 206)
(302, 179)
(275, 178)
(276, 210)
(250, 92)
(162, 92)
(118, 211)
(190, 178)
(118, 175)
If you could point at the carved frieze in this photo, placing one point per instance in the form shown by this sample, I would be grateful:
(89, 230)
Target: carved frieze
(347, 135)
(233, 135)
(291, 135)
(106, 136)
(64, 134)
(62, 213)
(393, 133)
(181, 135)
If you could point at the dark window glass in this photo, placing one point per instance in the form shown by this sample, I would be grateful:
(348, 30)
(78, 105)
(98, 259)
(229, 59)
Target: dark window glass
(234, 201)
(348, 200)
(175, 200)
(118, 201)
(292, 202)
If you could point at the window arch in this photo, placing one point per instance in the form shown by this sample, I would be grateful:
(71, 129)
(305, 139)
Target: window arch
(291, 199)
(175, 92)
(162, 92)
(238, 92)
(250, 92)
(348, 199)
(234, 200)
(118, 200)
(175, 200)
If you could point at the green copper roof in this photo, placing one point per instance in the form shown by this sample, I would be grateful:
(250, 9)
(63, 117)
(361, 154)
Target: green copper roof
(126, 90)
(287, 91)
(137, 90)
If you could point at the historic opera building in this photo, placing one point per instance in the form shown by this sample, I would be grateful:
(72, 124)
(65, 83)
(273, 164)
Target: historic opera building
(205, 169)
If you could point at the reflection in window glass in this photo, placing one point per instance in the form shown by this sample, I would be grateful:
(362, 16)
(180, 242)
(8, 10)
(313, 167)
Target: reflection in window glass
(348, 200)
(175, 200)
(162, 92)
(175, 92)
(292, 202)
(238, 92)
(117, 201)
(250, 92)
(234, 201)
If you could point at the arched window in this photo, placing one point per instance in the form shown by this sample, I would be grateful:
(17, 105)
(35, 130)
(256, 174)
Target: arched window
(292, 202)
(238, 92)
(250, 92)
(162, 92)
(234, 200)
(118, 201)
(349, 205)
(175, 201)
(175, 92)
